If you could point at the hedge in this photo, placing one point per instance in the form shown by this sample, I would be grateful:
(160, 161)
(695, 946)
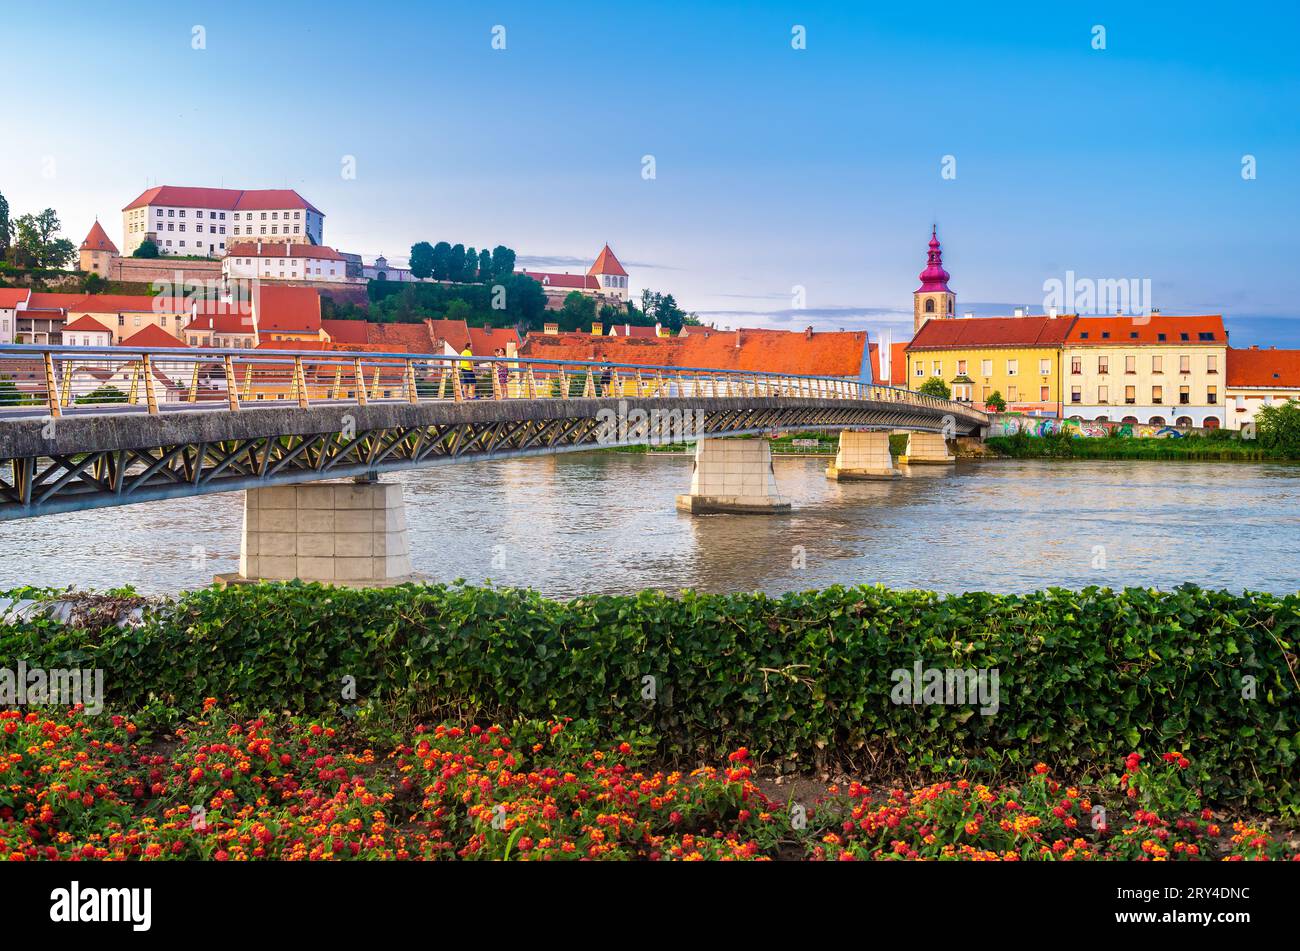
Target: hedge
(804, 678)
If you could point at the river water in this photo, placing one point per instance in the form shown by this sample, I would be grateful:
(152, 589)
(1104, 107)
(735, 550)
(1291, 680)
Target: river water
(605, 522)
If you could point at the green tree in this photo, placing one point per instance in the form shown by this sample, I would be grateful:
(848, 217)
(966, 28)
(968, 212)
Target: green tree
(503, 262)
(36, 244)
(6, 228)
(485, 266)
(148, 249)
(459, 310)
(441, 263)
(456, 263)
(996, 402)
(1278, 426)
(578, 312)
(934, 386)
(422, 260)
(471, 265)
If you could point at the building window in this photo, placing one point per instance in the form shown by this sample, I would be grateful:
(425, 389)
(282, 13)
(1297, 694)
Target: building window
(1076, 394)
(1157, 364)
(1184, 364)
(1212, 363)
(1044, 394)
(920, 369)
(929, 306)
(937, 369)
(1184, 395)
(1130, 395)
(1130, 364)
(1076, 365)
(1157, 394)
(1103, 394)
(1103, 364)
(1013, 393)
(961, 364)
(986, 367)
(1211, 395)
(1013, 367)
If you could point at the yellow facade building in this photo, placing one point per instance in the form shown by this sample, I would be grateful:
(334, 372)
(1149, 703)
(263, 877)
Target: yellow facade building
(1018, 358)
(1157, 369)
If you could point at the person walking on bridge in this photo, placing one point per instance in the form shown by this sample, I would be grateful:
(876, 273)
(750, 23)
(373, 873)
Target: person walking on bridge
(467, 380)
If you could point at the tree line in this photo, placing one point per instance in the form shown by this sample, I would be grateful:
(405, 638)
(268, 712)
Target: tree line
(461, 265)
(33, 241)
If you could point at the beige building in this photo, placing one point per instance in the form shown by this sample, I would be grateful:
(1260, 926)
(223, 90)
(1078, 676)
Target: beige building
(1159, 370)
(1260, 377)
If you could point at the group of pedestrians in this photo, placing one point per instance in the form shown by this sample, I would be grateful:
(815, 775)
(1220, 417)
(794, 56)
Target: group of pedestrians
(469, 377)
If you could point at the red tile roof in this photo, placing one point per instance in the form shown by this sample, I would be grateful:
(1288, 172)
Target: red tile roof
(87, 324)
(1155, 329)
(43, 300)
(606, 263)
(11, 297)
(942, 333)
(779, 351)
(1264, 368)
(402, 338)
(484, 341)
(97, 240)
(282, 249)
(551, 279)
(129, 303)
(454, 332)
(287, 309)
(345, 331)
(152, 336)
(224, 319)
(227, 199)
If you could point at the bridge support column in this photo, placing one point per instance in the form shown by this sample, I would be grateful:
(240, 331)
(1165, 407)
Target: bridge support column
(732, 475)
(927, 449)
(862, 456)
(337, 532)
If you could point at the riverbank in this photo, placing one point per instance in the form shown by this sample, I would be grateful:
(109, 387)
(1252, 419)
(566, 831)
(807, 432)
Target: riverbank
(1226, 447)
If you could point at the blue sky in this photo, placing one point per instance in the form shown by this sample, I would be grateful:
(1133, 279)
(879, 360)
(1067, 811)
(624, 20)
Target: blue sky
(775, 168)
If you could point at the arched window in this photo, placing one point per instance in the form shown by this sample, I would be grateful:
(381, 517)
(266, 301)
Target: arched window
(1129, 419)
(950, 305)
(1211, 422)
(929, 305)
(1157, 420)
(1183, 421)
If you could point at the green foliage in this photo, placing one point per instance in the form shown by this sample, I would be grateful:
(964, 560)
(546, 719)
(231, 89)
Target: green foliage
(1219, 445)
(393, 301)
(1278, 427)
(578, 312)
(102, 394)
(996, 402)
(36, 243)
(421, 260)
(148, 249)
(934, 386)
(800, 678)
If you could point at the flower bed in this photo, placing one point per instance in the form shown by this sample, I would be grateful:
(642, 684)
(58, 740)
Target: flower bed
(81, 788)
(805, 678)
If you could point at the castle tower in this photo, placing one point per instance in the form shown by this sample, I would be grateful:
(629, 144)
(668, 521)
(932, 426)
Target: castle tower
(97, 252)
(932, 298)
(610, 275)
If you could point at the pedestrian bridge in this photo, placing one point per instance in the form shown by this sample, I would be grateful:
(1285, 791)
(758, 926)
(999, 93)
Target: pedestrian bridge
(84, 427)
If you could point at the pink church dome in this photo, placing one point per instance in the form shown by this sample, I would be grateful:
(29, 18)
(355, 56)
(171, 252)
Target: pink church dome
(934, 278)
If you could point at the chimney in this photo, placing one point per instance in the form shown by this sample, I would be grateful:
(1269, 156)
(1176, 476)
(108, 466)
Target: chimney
(1052, 313)
(259, 247)
(1019, 312)
(737, 338)
(969, 313)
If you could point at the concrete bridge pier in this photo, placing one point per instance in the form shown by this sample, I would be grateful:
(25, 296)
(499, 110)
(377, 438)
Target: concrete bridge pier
(732, 475)
(927, 449)
(862, 456)
(346, 533)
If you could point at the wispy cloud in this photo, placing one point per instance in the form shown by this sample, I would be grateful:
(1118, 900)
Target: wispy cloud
(568, 261)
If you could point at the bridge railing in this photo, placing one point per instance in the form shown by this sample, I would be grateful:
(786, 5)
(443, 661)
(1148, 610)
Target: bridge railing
(52, 379)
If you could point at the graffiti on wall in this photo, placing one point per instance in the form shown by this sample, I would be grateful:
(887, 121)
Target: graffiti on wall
(1037, 426)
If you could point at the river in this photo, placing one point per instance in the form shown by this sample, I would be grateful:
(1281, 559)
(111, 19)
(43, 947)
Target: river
(605, 522)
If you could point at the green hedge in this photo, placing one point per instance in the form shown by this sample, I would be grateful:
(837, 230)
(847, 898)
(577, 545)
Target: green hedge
(1085, 676)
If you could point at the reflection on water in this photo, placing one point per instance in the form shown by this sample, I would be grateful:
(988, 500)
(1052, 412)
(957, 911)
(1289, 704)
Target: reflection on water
(605, 522)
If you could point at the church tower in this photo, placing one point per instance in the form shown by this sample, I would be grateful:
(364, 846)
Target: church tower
(932, 298)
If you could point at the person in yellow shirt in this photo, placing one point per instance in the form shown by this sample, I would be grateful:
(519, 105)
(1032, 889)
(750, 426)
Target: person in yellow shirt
(467, 380)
